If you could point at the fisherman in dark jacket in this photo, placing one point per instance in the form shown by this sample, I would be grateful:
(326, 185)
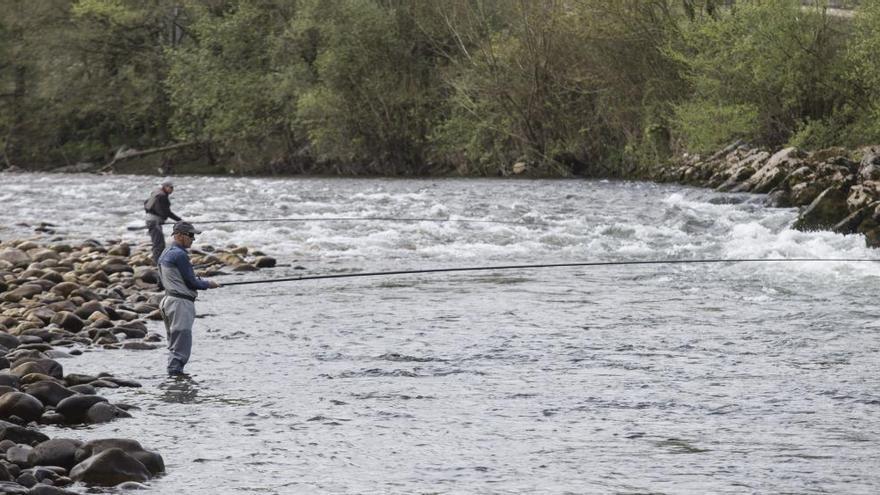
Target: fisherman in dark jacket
(178, 307)
(158, 209)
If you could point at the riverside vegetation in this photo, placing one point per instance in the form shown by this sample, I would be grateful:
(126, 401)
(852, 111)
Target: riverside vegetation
(400, 87)
(56, 300)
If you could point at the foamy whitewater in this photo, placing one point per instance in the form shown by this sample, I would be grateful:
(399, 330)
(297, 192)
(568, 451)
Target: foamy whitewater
(739, 378)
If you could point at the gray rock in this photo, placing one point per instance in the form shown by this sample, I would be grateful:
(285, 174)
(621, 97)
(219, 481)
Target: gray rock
(25, 406)
(20, 434)
(825, 211)
(76, 407)
(49, 393)
(19, 454)
(151, 460)
(55, 452)
(110, 467)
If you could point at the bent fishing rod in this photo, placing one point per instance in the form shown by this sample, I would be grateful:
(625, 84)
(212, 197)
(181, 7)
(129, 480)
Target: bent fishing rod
(365, 219)
(551, 265)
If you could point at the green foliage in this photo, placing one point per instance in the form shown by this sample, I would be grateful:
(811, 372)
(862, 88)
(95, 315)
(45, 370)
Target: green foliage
(222, 87)
(708, 125)
(374, 91)
(865, 71)
(778, 62)
(590, 87)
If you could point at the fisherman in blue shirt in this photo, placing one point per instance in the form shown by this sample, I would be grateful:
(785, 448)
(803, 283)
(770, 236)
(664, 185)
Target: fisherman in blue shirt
(178, 306)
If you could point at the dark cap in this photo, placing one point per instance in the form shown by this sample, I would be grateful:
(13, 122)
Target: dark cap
(185, 228)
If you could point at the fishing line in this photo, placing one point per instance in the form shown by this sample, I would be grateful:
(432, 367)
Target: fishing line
(546, 265)
(369, 219)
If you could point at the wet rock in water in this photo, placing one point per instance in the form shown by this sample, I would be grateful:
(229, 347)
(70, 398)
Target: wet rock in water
(245, 267)
(49, 393)
(23, 405)
(55, 452)
(151, 460)
(104, 412)
(20, 434)
(130, 332)
(5, 475)
(110, 467)
(139, 346)
(102, 383)
(824, 212)
(123, 382)
(265, 262)
(76, 407)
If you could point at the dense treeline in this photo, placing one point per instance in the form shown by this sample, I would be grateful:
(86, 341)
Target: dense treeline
(429, 86)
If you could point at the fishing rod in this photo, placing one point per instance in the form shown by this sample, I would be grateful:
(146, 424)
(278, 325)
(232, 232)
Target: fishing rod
(371, 219)
(547, 265)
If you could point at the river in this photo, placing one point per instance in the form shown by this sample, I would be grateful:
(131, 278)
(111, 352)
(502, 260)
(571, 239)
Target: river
(724, 378)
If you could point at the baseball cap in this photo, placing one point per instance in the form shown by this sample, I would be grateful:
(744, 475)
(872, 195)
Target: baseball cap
(185, 228)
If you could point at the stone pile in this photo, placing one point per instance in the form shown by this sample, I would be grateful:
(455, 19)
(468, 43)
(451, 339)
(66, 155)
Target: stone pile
(836, 189)
(55, 299)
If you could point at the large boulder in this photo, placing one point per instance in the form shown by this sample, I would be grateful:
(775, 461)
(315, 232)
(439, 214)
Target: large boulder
(108, 468)
(825, 211)
(76, 407)
(22, 405)
(48, 392)
(153, 461)
(26, 366)
(55, 452)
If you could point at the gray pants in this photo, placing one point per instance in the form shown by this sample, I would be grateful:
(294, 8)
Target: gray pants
(157, 237)
(178, 315)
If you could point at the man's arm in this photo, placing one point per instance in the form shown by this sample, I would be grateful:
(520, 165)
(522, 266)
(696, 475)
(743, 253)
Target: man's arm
(189, 276)
(163, 208)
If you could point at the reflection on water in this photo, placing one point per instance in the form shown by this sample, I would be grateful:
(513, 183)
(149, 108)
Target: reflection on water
(180, 389)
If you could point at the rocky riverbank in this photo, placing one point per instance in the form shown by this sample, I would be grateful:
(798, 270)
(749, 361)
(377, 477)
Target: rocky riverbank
(57, 299)
(836, 189)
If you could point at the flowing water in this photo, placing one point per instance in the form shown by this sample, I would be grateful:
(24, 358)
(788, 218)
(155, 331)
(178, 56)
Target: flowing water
(740, 378)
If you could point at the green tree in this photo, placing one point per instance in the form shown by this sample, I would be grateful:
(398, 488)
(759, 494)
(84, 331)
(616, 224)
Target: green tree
(758, 71)
(374, 90)
(226, 87)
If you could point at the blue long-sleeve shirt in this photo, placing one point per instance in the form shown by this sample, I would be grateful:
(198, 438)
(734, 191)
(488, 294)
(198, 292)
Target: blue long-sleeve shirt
(177, 273)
